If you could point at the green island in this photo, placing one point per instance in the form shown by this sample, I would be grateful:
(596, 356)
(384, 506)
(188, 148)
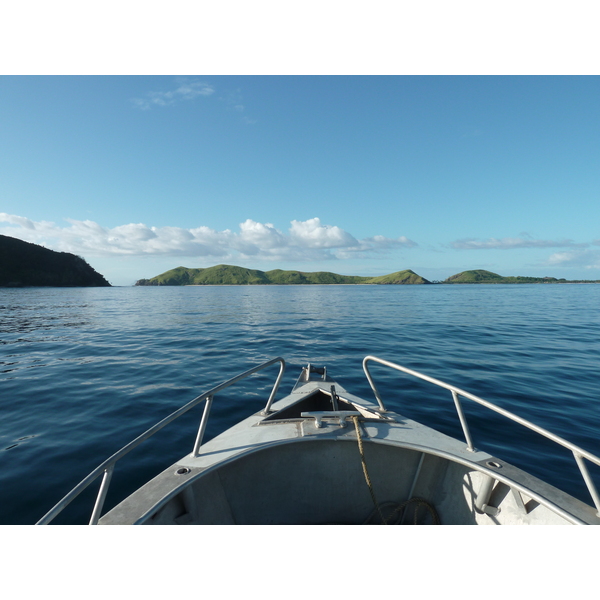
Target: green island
(29, 265)
(482, 276)
(232, 275)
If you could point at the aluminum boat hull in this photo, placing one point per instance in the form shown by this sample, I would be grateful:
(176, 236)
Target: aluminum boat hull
(302, 464)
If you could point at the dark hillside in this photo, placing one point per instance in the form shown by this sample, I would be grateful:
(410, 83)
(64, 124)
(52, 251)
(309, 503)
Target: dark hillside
(25, 264)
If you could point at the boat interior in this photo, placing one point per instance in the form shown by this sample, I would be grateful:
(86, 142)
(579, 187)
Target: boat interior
(325, 484)
(321, 455)
(332, 479)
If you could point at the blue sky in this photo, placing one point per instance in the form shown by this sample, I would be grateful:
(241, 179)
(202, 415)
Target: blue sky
(351, 174)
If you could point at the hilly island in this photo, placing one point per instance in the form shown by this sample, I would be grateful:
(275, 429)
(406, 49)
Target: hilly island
(232, 275)
(23, 264)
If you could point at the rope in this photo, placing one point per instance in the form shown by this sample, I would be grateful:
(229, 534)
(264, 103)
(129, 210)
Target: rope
(364, 466)
(420, 502)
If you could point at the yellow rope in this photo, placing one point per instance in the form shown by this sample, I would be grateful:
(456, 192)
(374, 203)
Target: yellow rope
(418, 501)
(364, 466)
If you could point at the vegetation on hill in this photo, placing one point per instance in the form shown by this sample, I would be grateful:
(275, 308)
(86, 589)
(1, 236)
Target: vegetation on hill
(25, 264)
(477, 276)
(400, 277)
(481, 276)
(320, 277)
(230, 275)
(219, 275)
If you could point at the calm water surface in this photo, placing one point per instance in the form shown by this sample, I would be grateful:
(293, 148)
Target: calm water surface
(84, 371)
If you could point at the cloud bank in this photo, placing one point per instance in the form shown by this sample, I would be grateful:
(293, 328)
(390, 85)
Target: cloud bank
(305, 240)
(511, 243)
(575, 255)
(586, 259)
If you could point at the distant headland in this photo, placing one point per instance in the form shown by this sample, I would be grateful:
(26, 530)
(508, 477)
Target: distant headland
(23, 264)
(232, 275)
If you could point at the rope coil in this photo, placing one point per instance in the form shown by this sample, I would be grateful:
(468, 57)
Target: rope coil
(420, 502)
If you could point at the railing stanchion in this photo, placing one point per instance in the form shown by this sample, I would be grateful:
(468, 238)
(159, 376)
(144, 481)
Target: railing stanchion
(463, 422)
(588, 481)
(202, 428)
(372, 383)
(275, 388)
(102, 494)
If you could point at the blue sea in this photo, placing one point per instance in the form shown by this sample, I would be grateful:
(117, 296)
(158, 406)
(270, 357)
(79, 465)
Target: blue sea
(85, 370)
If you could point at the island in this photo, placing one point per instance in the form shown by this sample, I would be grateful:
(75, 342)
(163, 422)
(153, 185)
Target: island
(482, 276)
(23, 264)
(232, 275)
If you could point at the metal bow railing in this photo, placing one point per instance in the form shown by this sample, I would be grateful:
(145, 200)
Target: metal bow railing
(578, 453)
(107, 467)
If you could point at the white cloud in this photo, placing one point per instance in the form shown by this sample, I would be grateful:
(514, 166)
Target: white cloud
(311, 234)
(258, 239)
(305, 240)
(588, 259)
(511, 243)
(185, 91)
(15, 220)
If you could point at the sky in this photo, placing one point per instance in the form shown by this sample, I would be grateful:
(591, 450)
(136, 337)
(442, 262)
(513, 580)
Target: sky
(350, 173)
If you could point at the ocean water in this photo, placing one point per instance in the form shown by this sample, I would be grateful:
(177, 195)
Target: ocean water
(84, 371)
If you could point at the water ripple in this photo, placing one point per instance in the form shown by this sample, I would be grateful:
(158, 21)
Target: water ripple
(83, 371)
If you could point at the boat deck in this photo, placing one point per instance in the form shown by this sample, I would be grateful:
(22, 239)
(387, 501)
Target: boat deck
(284, 469)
